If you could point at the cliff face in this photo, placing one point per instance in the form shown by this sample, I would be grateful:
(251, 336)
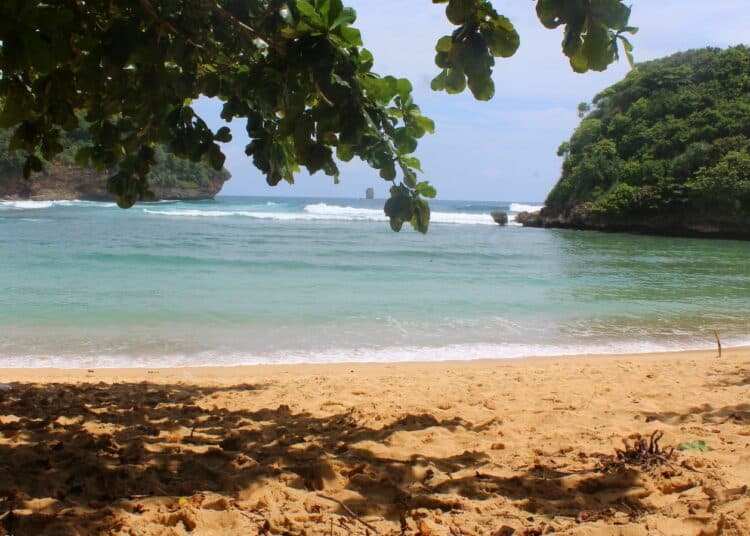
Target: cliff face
(61, 181)
(687, 225)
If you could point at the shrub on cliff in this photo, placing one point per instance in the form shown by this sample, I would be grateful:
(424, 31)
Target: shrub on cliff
(672, 137)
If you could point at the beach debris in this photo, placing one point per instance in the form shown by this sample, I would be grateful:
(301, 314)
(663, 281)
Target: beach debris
(718, 342)
(697, 445)
(349, 512)
(640, 451)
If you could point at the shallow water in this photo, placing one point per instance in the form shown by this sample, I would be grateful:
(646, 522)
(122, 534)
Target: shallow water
(261, 280)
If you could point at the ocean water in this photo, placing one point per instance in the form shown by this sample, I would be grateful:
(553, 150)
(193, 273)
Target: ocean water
(279, 280)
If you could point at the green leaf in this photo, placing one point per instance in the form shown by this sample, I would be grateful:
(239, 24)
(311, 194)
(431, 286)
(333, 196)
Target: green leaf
(223, 135)
(597, 48)
(438, 83)
(459, 11)
(310, 15)
(388, 172)
(550, 12)
(426, 189)
(410, 179)
(483, 88)
(455, 81)
(420, 219)
(39, 53)
(11, 115)
(215, 157)
(444, 44)
(404, 88)
(612, 13)
(425, 123)
(697, 445)
(346, 17)
(501, 38)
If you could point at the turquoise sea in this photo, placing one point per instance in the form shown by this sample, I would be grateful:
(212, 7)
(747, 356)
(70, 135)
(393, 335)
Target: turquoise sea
(280, 280)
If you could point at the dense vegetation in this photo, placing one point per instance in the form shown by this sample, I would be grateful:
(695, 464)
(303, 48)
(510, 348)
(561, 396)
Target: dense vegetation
(294, 70)
(672, 138)
(169, 170)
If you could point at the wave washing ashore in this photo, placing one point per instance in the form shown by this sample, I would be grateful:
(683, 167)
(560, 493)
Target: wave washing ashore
(280, 280)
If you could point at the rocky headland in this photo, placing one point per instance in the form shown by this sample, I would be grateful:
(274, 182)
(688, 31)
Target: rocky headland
(60, 181)
(665, 151)
(685, 225)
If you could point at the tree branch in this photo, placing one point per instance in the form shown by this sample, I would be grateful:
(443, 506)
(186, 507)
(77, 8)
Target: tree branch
(227, 16)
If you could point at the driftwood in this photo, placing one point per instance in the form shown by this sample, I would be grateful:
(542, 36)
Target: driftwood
(718, 342)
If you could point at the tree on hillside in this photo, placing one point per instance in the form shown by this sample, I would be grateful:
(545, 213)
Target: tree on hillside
(294, 70)
(672, 139)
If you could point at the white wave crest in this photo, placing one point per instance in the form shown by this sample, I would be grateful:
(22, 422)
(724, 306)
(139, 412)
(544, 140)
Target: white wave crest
(523, 207)
(324, 212)
(25, 204)
(28, 204)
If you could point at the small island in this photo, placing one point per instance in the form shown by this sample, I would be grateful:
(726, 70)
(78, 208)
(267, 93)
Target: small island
(665, 151)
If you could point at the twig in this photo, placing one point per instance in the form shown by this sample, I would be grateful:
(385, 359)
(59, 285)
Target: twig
(323, 95)
(718, 342)
(349, 511)
(148, 7)
(227, 16)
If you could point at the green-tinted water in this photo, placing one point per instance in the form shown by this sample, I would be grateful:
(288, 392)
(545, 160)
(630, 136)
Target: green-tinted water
(247, 280)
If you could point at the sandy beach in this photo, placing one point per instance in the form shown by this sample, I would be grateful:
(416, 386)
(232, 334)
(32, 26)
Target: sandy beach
(493, 447)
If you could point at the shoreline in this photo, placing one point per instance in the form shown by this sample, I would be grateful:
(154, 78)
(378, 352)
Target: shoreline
(225, 372)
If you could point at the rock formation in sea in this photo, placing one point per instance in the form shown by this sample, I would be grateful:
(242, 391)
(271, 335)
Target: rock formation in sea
(664, 151)
(500, 217)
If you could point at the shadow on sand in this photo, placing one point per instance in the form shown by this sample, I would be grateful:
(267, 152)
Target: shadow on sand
(93, 448)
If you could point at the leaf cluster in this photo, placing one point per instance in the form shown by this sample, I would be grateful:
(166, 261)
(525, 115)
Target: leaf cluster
(293, 71)
(672, 138)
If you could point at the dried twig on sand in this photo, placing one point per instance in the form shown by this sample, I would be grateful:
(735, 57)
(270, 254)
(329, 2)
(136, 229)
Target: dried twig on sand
(718, 342)
(349, 511)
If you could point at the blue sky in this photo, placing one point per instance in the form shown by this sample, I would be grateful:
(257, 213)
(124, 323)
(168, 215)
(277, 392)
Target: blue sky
(503, 149)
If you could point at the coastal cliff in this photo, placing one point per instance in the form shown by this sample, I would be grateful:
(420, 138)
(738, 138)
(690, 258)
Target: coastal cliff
(67, 181)
(665, 151)
(686, 225)
(170, 178)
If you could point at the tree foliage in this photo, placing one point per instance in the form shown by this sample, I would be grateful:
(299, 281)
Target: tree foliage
(673, 137)
(294, 70)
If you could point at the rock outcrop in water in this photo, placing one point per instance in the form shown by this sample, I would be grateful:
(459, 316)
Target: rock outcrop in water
(500, 217)
(665, 151)
(659, 224)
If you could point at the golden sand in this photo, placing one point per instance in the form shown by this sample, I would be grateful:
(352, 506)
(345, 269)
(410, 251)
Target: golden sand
(492, 447)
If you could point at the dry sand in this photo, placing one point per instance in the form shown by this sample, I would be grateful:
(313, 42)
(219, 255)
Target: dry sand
(460, 448)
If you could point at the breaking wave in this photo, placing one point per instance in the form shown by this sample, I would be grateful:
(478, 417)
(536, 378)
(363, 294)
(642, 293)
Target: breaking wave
(323, 212)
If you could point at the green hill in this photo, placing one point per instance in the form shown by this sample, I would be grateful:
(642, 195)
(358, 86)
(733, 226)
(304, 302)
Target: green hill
(666, 150)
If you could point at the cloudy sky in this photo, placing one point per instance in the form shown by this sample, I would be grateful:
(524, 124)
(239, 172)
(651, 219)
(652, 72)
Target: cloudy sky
(503, 149)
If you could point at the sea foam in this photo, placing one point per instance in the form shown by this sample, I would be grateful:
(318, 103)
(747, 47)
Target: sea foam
(323, 212)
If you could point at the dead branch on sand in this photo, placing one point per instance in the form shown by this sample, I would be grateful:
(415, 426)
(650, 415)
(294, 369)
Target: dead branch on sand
(349, 511)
